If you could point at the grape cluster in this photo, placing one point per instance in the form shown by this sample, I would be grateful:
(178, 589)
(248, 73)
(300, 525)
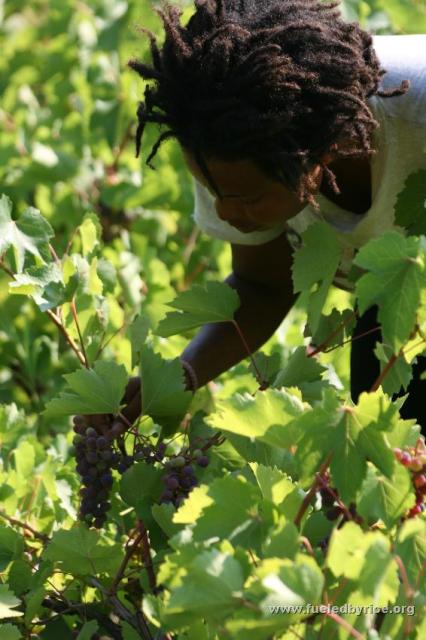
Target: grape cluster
(95, 457)
(180, 476)
(100, 449)
(414, 459)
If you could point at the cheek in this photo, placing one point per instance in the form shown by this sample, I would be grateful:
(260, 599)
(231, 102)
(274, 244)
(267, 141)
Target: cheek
(275, 209)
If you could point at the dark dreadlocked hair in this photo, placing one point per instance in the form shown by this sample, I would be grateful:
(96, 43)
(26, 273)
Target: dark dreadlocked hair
(279, 82)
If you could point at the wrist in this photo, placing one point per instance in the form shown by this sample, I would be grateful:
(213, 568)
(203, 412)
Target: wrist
(191, 378)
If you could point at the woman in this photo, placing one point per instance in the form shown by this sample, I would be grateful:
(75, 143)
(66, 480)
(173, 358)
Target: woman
(284, 117)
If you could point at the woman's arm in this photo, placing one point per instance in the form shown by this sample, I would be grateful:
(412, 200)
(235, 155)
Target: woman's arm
(262, 278)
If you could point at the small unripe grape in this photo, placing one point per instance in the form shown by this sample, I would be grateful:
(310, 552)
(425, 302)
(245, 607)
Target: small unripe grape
(198, 453)
(405, 459)
(178, 462)
(420, 481)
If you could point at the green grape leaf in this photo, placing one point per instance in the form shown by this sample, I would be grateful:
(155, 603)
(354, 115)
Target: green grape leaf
(8, 603)
(273, 483)
(20, 576)
(210, 590)
(231, 513)
(214, 302)
(410, 208)
(333, 328)
(81, 551)
(268, 366)
(396, 274)
(289, 582)
(384, 498)
(352, 434)
(44, 284)
(139, 483)
(163, 385)
(88, 630)
(379, 575)
(399, 375)
(300, 368)
(283, 541)
(315, 265)
(11, 546)
(90, 231)
(97, 390)
(138, 333)
(30, 234)
(269, 417)
(9, 632)
(410, 546)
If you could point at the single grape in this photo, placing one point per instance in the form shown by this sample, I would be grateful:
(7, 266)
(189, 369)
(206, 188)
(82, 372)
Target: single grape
(203, 461)
(177, 462)
(333, 513)
(188, 470)
(106, 455)
(405, 458)
(91, 432)
(92, 457)
(106, 480)
(167, 496)
(101, 442)
(420, 481)
(171, 483)
(198, 453)
(186, 482)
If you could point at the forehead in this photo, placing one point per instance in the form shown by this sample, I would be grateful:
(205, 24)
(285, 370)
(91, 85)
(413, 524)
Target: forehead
(233, 178)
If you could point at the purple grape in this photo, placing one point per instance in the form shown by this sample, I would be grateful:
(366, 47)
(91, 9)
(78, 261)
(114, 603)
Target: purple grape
(171, 483)
(101, 442)
(167, 496)
(203, 461)
(91, 457)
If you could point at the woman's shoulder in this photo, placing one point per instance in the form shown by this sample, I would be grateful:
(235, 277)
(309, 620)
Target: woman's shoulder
(404, 58)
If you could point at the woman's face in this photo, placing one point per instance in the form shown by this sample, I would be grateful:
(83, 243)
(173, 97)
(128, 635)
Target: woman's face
(250, 201)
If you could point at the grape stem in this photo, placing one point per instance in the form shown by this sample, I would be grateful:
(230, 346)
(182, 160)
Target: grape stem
(55, 319)
(40, 536)
(345, 624)
(138, 622)
(263, 383)
(77, 324)
(312, 491)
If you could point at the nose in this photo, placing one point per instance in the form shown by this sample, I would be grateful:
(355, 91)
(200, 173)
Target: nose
(230, 210)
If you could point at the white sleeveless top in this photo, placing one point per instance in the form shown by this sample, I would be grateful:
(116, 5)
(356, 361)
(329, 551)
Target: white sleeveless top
(400, 141)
